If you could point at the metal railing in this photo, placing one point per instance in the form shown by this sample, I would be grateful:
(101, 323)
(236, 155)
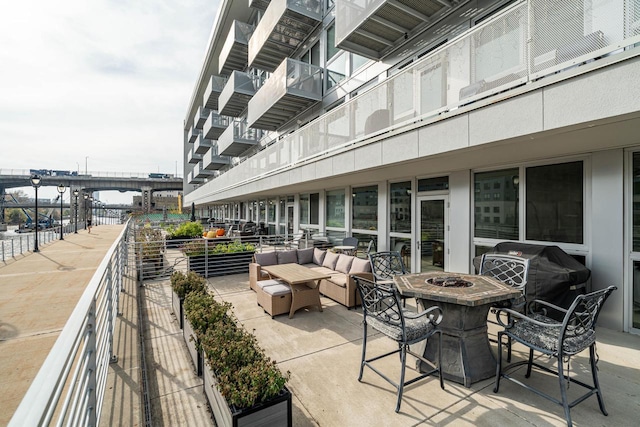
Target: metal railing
(70, 386)
(13, 246)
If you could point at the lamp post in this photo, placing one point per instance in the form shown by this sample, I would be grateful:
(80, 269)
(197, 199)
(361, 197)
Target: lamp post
(75, 206)
(61, 190)
(35, 182)
(85, 196)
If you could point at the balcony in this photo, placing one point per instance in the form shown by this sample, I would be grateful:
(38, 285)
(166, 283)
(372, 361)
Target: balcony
(200, 172)
(211, 94)
(193, 135)
(285, 25)
(236, 94)
(192, 180)
(238, 138)
(373, 28)
(259, 4)
(291, 88)
(212, 161)
(201, 117)
(215, 125)
(202, 145)
(234, 53)
(193, 157)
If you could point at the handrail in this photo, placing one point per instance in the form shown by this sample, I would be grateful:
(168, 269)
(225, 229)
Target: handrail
(69, 387)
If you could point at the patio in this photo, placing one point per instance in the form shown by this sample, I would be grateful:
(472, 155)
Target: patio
(322, 351)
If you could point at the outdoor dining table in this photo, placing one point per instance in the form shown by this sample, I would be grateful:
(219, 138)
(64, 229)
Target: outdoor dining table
(345, 249)
(465, 300)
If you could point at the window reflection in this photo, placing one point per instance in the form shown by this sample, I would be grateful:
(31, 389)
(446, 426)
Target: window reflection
(496, 204)
(365, 208)
(400, 207)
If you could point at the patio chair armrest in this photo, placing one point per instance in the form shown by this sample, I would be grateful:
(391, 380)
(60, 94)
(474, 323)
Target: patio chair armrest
(546, 305)
(433, 313)
(512, 314)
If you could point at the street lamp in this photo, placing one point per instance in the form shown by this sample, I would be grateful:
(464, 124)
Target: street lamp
(85, 196)
(75, 206)
(61, 190)
(35, 182)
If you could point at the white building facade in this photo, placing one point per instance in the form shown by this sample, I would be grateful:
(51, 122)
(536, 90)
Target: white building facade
(436, 127)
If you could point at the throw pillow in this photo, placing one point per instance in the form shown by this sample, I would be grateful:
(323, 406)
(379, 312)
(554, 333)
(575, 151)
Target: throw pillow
(360, 266)
(318, 256)
(265, 258)
(344, 263)
(330, 260)
(305, 256)
(287, 257)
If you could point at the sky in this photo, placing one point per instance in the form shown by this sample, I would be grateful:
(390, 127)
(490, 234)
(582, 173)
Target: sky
(98, 84)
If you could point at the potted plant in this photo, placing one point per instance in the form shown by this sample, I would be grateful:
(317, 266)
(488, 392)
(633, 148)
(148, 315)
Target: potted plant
(185, 231)
(210, 259)
(242, 385)
(149, 251)
(182, 285)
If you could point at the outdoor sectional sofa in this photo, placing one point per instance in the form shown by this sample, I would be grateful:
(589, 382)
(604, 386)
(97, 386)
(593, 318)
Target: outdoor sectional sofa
(340, 287)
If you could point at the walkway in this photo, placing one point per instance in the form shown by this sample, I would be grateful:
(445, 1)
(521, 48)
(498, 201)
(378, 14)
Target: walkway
(38, 292)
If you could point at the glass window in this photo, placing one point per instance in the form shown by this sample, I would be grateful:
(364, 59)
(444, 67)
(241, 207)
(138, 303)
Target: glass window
(314, 208)
(636, 203)
(336, 71)
(357, 61)
(555, 203)
(283, 210)
(304, 209)
(271, 211)
(315, 54)
(433, 184)
(263, 211)
(335, 208)
(506, 201)
(365, 208)
(331, 42)
(400, 207)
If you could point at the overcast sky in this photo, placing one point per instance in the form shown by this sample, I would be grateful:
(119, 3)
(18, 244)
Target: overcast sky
(105, 79)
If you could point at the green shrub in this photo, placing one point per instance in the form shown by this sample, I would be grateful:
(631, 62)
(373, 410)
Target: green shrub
(183, 284)
(200, 247)
(187, 230)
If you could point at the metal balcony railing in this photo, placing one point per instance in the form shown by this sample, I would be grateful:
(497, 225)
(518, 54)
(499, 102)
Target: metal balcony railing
(238, 138)
(234, 53)
(213, 161)
(194, 133)
(212, 92)
(525, 42)
(215, 125)
(193, 157)
(202, 145)
(236, 94)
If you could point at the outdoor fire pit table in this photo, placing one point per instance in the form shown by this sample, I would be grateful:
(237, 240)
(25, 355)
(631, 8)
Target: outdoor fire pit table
(465, 300)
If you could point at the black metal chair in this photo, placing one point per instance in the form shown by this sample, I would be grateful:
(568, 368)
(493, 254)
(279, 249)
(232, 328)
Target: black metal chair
(385, 265)
(511, 270)
(384, 313)
(351, 241)
(560, 340)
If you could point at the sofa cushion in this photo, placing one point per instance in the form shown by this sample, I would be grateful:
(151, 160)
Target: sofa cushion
(287, 257)
(360, 265)
(305, 256)
(330, 260)
(318, 256)
(344, 263)
(339, 279)
(322, 270)
(277, 290)
(266, 258)
(264, 283)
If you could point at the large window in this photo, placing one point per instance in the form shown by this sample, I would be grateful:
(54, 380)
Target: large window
(309, 209)
(365, 208)
(400, 207)
(555, 203)
(496, 191)
(335, 208)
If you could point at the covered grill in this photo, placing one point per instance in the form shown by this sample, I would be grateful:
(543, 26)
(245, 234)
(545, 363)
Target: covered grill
(554, 276)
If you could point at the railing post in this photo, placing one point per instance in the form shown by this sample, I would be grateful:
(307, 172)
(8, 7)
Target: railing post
(92, 367)
(206, 258)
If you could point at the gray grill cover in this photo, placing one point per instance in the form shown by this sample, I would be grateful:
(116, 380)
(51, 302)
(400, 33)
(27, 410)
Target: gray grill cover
(554, 276)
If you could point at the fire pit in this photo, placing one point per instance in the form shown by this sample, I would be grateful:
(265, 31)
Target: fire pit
(449, 282)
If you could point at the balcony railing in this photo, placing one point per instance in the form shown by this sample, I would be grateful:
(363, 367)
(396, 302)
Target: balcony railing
(213, 161)
(194, 133)
(215, 125)
(202, 145)
(201, 117)
(236, 94)
(199, 172)
(192, 180)
(238, 138)
(516, 46)
(283, 27)
(211, 94)
(234, 53)
(291, 88)
(193, 157)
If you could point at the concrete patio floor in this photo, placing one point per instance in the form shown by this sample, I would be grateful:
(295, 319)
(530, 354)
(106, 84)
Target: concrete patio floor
(322, 352)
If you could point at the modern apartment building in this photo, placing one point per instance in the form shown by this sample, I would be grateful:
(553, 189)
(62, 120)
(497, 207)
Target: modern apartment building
(435, 127)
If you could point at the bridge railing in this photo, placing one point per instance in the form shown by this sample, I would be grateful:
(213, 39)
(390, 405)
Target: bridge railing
(78, 173)
(70, 386)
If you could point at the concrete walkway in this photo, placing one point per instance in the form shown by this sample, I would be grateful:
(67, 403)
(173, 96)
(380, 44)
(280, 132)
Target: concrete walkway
(38, 292)
(322, 351)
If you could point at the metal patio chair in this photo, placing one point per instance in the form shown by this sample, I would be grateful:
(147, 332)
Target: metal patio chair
(385, 265)
(384, 313)
(351, 241)
(511, 270)
(559, 340)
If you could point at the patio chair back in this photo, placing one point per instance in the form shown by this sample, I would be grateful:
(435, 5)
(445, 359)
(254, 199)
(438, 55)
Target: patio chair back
(386, 264)
(508, 269)
(350, 241)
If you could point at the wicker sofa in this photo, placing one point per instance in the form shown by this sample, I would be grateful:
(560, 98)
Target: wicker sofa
(340, 287)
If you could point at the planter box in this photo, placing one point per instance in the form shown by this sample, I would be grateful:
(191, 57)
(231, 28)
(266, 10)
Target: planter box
(176, 303)
(220, 264)
(276, 412)
(196, 356)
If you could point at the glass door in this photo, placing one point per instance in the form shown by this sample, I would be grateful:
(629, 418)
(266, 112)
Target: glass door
(431, 240)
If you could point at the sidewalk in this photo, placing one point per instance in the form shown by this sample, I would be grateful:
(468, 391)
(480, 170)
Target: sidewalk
(38, 292)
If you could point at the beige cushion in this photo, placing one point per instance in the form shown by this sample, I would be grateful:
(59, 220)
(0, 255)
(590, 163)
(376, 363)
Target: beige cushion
(339, 279)
(279, 289)
(265, 258)
(330, 260)
(318, 256)
(265, 283)
(344, 263)
(287, 257)
(322, 270)
(360, 265)
(305, 256)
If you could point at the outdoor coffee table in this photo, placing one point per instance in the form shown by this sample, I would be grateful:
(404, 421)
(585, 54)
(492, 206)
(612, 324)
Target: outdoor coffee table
(304, 284)
(466, 352)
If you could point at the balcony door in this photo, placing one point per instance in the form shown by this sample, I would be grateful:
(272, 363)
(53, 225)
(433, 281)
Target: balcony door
(431, 240)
